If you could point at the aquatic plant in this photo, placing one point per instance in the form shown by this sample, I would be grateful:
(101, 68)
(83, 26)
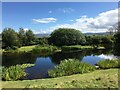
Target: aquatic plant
(106, 64)
(69, 67)
(14, 73)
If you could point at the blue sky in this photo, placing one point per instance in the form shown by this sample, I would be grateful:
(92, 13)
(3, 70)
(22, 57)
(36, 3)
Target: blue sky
(45, 17)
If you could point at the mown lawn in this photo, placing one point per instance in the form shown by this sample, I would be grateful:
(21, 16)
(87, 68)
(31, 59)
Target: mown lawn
(96, 79)
(26, 48)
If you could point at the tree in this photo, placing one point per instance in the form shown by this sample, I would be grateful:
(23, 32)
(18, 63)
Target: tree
(107, 42)
(117, 37)
(114, 29)
(22, 36)
(66, 36)
(10, 38)
(117, 44)
(30, 37)
(96, 40)
(26, 37)
(88, 39)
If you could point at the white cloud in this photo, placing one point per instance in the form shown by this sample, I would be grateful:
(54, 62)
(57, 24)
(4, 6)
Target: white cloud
(100, 23)
(44, 20)
(26, 29)
(65, 10)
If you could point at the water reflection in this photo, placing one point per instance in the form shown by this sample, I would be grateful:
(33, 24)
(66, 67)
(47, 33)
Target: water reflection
(93, 59)
(43, 64)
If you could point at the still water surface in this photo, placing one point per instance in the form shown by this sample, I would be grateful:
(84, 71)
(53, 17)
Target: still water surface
(45, 63)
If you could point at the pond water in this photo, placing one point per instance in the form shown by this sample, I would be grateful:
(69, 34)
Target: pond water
(45, 63)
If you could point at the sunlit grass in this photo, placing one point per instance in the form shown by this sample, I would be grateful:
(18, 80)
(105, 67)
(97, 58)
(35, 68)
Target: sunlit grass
(69, 67)
(106, 64)
(96, 79)
(15, 72)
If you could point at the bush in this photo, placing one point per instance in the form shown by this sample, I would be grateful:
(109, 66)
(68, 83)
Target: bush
(70, 48)
(106, 64)
(14, 73)
(44, 49)
(66, 36)
(69, 67)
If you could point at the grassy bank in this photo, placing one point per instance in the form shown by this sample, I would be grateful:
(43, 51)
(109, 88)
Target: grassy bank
(32, 48)
(64, 48)
(96, 79)
(77, 47)
(21, 49)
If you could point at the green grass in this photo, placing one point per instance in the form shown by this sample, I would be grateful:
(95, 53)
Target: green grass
(75, 47)
(106, 64)
(96, 79)
(21, 49)
(26, 48)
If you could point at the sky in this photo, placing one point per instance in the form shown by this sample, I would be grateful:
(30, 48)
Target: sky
(45, 17)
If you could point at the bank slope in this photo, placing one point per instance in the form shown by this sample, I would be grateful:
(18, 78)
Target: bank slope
(97, 79)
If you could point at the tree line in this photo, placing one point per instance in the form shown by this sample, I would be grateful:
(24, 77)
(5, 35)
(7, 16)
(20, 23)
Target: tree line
(59, 37)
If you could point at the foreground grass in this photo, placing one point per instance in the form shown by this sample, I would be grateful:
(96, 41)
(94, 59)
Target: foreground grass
(96, 79)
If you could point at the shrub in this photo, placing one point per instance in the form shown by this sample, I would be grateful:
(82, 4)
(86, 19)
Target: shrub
(13, 73)
(106, 64)
(70, 48)
(75, 47)
(44, 49)
(66, 36)
(69, 67)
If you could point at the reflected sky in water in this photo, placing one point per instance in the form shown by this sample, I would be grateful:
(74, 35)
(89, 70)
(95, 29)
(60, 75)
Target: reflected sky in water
(93, 59)
(43, 64)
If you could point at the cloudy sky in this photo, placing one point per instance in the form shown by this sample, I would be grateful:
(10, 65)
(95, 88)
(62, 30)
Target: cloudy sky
(44, 17)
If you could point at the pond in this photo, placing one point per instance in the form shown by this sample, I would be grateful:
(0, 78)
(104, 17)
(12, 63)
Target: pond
(45, 63)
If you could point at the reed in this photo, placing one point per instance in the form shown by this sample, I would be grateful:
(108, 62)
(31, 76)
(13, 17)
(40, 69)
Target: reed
(69, 67)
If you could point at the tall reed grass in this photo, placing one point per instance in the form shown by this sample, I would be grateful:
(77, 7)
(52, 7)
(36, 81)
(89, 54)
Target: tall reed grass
(69, 67)
(14, 73)
(106, 64)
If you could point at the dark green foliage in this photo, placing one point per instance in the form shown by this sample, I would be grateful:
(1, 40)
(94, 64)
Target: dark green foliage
(26, 37)
(96, 40)
(30, 37)
(88, 40)
(117, 37)
(10, 38)
(106, 64)
(13, 40)
(22, 36)
(42, 41)
(69, 67)
(66, 36)
(70, 48)
(107, 42)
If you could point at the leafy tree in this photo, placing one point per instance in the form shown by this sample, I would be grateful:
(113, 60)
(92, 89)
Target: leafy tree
(114, 29)
(66, 36)
(30, 37)
(42, 41)
(22, 36)
(26, 37)
(10, 38)
(117, 37)
(88, 40)
(96, 40)
(106, 41)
